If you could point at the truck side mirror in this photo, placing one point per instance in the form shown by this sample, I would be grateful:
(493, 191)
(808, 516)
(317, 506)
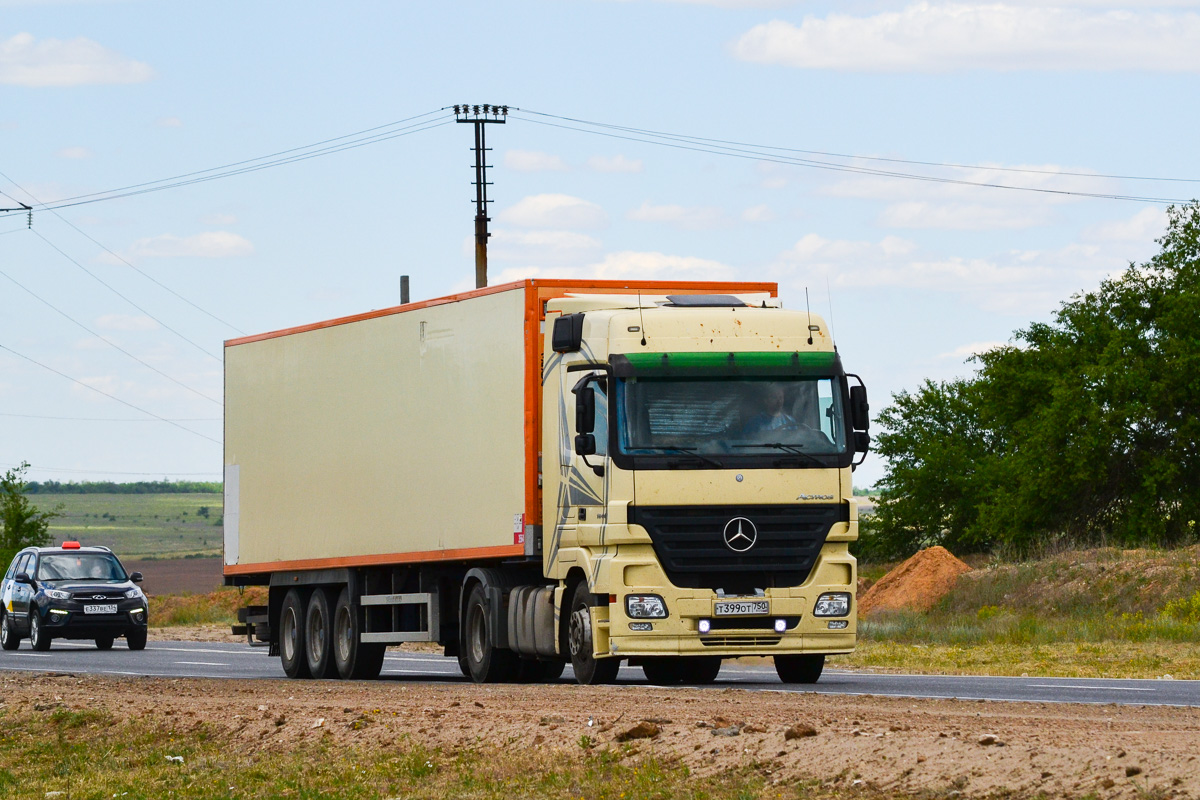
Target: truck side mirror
(862, 441)
(567, 336)
(860, 410)
(585, 409)
(585, 444)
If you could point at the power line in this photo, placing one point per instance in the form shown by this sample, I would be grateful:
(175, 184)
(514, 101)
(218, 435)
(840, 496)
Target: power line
(99, 280)
(105, 339)
(754, 155)
(107, 419)
(106, 394)
(1028, 170)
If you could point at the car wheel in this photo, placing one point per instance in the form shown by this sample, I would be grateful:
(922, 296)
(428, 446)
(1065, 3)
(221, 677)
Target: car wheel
(104, 642)
(9, 638)
(353, 658)
(318, 636)
(800, 669)
(589, 670)
(291, 636)
(485, 662)
(135, 639)
(38, 638)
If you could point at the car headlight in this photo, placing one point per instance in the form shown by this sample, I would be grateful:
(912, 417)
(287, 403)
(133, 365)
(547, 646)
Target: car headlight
(832, 604)
(645, 606)
(57, 594)
(133, 593)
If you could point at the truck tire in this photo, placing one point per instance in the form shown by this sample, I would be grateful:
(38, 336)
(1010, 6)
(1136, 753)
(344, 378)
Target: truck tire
(353, 659)
(291, 636)
(589, 670)
(318, 635)
(485, 662)
(663, 671)
(799, 669)
(700, 670)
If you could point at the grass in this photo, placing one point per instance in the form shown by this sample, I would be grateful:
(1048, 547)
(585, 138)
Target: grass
(214, 608)
(92, 754)
(139, 525)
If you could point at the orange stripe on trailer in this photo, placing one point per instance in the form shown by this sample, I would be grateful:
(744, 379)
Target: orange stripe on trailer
(504, 551)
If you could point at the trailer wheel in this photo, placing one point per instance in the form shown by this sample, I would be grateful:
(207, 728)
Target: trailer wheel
(800, 669)
(485, 662)
(354, 659)
(533, 671)
(589, 670)
(291, 636)
(318, 635)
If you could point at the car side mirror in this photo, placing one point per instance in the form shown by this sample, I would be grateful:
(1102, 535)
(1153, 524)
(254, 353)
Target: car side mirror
(136, 577)
(860, 410)
(23, 577)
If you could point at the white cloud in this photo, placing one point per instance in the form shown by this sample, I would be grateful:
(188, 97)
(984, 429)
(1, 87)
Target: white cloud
(617, 163)
(219, 219)
(760, 213)
(169, 122)
(74, 152)
(973, 349)
(960, 217)
(215, 244)
(125, 322)
(555, 212)
(631, 265)
(25, 61)
(559, 248)
(945, 37)
(533, 161)
(1144, 226)
(685, 217)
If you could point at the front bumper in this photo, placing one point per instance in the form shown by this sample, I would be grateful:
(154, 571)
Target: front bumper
(67, 620)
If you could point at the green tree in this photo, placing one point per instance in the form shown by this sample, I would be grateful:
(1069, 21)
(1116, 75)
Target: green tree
(21, 523)
(1085, 428)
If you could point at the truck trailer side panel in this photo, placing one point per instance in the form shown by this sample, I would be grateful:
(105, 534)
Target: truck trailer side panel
(350, 442)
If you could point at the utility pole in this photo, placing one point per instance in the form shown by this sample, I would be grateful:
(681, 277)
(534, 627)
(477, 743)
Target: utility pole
(479, 116)
(28, 210)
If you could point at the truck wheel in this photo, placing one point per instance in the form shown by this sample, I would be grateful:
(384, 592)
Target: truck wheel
(663, 671)
(589, 670)
(318, 635)
(37, 637)
(534, 671)
(700, 670)
(486, 663)
(9, 639)
(799, 669)
(354, 659)
(291, 636)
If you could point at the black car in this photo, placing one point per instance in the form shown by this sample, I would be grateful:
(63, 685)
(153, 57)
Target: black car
(71, 592)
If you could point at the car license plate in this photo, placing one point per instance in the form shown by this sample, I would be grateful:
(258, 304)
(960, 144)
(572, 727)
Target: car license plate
(105, 609)
(741, 608)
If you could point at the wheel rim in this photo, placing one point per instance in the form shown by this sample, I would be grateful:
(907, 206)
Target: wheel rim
(4, 634)
(35, 630)
(343, 633)
(288, 634)
(476, 633)
(580, 635)
(316, 635)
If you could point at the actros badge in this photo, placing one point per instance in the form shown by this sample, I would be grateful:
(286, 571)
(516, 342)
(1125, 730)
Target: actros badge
(740, 534)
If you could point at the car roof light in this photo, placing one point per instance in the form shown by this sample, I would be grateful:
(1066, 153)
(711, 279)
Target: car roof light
(70, 545)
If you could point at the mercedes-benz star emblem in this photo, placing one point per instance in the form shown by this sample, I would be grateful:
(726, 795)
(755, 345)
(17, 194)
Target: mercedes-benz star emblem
(740, 534)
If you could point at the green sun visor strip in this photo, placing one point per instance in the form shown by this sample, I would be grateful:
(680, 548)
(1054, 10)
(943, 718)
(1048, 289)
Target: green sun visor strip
(682, 365)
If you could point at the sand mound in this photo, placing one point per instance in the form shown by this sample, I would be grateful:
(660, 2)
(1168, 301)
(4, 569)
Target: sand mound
(915, 585)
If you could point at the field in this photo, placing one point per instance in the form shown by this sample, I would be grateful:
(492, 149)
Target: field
(139, 525)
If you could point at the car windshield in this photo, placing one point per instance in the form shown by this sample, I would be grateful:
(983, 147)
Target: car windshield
(744, 416)
(79, 567)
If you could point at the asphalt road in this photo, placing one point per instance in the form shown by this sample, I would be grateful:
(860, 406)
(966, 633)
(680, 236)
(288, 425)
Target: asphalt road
(232, 661)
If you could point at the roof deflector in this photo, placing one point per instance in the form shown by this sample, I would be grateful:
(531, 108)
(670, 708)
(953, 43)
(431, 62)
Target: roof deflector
(705, 301)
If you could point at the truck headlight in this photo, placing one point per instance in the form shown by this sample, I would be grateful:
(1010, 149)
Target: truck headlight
(58, 594)
(645, 606)
(832, 604)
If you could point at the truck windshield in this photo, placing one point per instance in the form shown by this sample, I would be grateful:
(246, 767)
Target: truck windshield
(80, 567)
(737, 416)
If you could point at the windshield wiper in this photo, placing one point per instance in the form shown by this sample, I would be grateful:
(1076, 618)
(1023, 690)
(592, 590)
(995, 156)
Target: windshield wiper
(787, 448)
(691, 451)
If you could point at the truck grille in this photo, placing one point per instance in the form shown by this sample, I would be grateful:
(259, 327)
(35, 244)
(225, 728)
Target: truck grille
(739, 641)
(689, 542)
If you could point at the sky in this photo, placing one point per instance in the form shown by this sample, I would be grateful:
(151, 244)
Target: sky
(936, 175)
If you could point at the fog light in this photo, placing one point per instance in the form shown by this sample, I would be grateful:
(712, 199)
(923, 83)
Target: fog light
(704, 625)
(645, 606)
(832, 604)
(837, 624)
(780, 625)
(640, 626)
(139, 615)
(58, 611)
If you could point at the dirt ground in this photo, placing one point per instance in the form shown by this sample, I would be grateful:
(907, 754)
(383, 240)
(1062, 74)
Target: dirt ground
(928, 747)
(178, 575)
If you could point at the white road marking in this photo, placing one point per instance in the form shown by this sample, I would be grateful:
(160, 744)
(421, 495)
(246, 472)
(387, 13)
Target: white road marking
(202, 663)
(1093, 688)
(248, 651)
